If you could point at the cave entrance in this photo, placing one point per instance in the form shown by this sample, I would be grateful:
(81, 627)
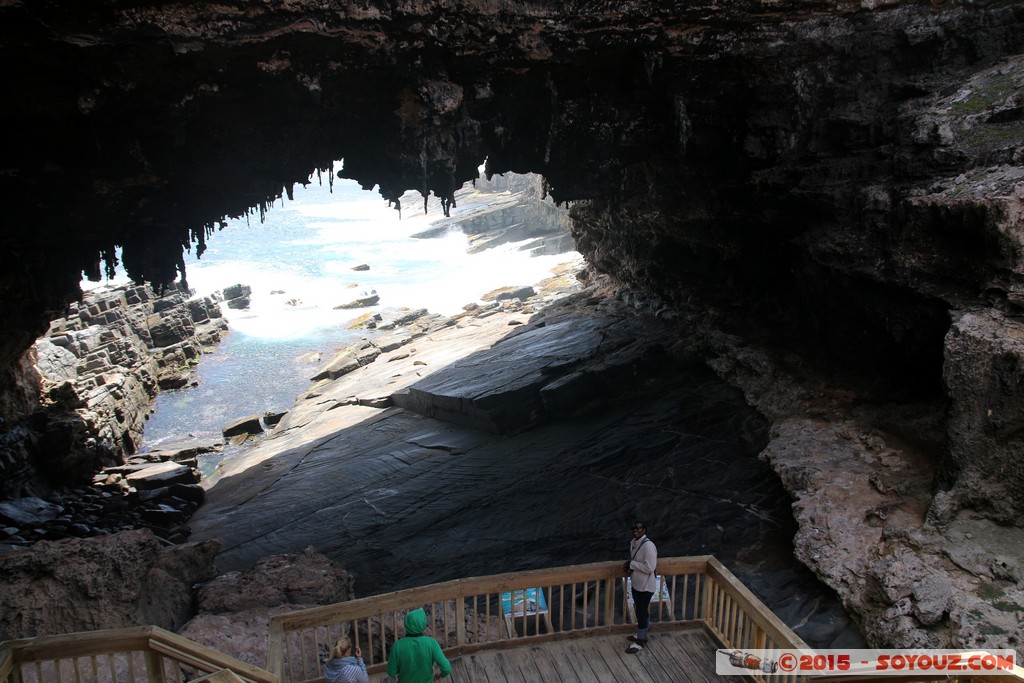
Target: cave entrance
(314, 275)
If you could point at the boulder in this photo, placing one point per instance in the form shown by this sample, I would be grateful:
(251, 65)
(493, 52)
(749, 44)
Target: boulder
(271, 419)
(26, 511)
(244, 425)
(348, 360)
(242, 635)
(365, 298)
(235, 608)
(237, 296)
(303, 578)
(508, 293)
(161, 474)
(236, 291)
(116, 581)
(183, 450)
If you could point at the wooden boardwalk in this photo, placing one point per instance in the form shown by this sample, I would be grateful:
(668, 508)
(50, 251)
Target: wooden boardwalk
(679, 656)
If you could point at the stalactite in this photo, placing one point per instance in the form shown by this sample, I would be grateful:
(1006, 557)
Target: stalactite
(423, 170)
(652, 61)
(91, 270)
(398, 206)
(181, 269)
(110, 262)
(199, 238)
(553, 125)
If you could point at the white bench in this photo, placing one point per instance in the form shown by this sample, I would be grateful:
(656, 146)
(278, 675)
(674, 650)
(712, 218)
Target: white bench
(661, 600)
(522, 604)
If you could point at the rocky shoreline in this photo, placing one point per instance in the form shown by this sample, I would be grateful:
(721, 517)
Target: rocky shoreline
(72, 471)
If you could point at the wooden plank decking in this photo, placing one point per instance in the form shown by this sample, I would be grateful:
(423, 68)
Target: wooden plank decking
(678, 656)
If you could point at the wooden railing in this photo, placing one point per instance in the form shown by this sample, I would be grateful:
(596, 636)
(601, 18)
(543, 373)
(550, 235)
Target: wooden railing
(146, 654)
(467, 615)
(464, 615)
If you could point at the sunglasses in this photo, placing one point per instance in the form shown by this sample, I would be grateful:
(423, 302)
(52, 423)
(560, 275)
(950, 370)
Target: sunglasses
(636, 528)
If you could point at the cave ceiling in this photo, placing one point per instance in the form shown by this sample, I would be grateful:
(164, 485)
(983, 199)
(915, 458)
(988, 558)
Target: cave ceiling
(718, 142)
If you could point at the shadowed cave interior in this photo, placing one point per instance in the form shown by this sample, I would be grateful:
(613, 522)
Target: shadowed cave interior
(826, 196)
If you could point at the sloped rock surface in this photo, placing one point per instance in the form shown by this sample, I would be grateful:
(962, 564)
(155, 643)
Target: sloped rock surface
(543, 371)
(506, 209)
(402, 499)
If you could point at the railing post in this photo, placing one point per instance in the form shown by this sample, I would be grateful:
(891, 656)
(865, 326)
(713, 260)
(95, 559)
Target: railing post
(8, 671)
(609, 601)
(275, 649)
(460, 620)
(708, 583)
(154, 667)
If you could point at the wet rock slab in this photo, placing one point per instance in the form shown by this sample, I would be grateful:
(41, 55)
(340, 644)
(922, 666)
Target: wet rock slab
(538, 373)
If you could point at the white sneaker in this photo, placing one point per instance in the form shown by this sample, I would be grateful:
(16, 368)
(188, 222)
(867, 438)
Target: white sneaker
(634, 648)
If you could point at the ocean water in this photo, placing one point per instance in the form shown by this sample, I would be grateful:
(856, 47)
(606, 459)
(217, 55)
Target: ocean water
(299, 263)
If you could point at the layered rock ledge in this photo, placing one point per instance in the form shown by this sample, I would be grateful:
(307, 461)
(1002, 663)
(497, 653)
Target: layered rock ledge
(68, 462)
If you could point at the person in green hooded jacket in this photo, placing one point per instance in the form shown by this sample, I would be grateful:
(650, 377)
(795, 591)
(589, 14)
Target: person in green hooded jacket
(413, 657)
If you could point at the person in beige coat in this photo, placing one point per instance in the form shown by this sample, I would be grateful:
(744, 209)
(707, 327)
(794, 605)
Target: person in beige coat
(641, 568)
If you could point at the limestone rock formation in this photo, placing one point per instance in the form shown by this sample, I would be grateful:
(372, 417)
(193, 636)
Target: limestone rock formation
(984, 361)
(238, 296)
(99, 368)
(813, 190)
(234, 609)
(115, 581)
(510, 208)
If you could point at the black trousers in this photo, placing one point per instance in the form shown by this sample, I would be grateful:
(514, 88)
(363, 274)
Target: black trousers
(642, 606)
